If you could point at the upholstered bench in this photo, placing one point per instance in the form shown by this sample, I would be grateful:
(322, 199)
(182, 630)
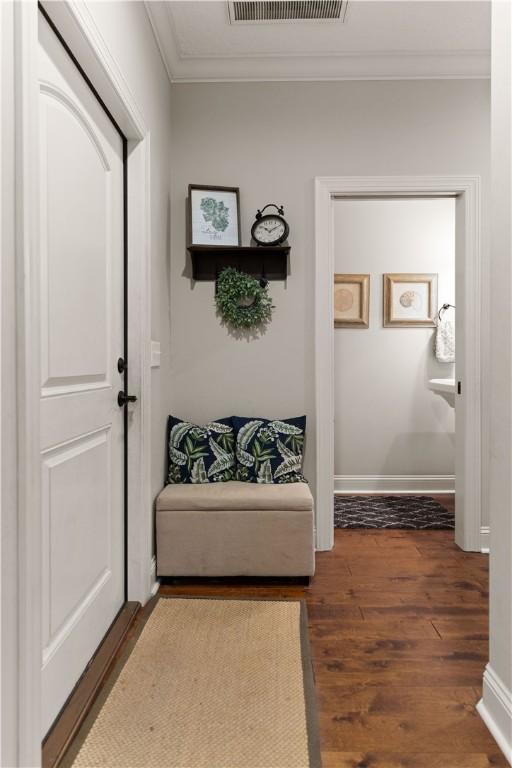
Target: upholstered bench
(235, 529)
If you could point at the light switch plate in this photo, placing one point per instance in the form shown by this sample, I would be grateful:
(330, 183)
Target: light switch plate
(155, 354)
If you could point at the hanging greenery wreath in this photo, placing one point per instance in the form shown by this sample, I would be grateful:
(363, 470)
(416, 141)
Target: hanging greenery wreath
(242, 300)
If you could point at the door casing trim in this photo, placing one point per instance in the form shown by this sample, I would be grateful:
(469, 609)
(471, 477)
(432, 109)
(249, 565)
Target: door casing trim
(466, 189)
(77, 27)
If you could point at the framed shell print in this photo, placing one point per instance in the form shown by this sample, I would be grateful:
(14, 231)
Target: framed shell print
(410, 300)
(351, 301)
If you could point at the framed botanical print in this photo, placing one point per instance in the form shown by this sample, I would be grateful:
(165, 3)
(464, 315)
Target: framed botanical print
(410, 300)
(213, 215)
(351, 301)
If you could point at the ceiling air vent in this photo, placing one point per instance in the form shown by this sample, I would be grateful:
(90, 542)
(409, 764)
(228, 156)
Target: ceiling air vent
(278, 11)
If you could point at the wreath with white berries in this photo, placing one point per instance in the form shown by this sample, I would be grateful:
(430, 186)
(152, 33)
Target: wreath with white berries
(242, 301)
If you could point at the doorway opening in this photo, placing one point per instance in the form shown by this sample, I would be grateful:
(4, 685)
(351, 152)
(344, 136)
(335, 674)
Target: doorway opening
(394, 434)
(465, 193)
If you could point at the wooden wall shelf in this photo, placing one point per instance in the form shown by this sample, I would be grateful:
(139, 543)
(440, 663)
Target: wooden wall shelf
(269, 261)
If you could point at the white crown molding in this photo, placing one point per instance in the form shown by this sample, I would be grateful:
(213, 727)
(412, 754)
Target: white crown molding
(163, 30)
(394, 484)
(351, 67)
(187, 67)
(352, 54)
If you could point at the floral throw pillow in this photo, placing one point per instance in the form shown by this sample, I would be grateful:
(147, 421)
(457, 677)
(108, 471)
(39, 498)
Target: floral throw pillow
(269, 451)
(201, 454)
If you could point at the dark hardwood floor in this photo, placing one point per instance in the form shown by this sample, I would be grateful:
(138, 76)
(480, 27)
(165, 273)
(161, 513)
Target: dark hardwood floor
(398, 630)
(399, 640)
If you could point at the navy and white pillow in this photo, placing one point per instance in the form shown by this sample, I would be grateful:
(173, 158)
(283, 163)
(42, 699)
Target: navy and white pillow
(201, 454)
(269, 451)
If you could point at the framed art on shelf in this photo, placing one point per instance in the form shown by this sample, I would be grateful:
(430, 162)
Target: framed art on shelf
(410, 300)
(351, 301)
(213, 215)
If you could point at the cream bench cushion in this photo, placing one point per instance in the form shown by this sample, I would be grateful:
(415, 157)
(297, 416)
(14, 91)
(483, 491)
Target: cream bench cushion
(235, 529)
(236, 495)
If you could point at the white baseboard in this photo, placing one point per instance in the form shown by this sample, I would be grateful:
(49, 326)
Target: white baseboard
(153, 580)
(394, 484)
(495, 709)
(485, 539)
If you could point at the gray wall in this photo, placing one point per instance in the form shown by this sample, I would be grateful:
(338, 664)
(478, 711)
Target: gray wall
(387, 421)
(272, 139)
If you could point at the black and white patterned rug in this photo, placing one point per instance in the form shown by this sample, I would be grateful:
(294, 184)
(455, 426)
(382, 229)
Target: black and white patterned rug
(408, 512)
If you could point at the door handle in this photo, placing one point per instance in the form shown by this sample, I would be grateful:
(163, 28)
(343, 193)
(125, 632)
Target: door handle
(123, 399)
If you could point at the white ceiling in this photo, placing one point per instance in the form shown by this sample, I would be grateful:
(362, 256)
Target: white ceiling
(379, 39)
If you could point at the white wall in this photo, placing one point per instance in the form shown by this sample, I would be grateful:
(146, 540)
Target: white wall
(272, 139)
(496, 704)
(126, 29)
(387, 421)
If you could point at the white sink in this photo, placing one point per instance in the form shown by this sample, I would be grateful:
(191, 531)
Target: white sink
(445, 388)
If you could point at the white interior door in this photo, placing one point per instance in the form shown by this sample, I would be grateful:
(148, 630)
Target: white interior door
(462, 528)
(468, 405)
(81, 341)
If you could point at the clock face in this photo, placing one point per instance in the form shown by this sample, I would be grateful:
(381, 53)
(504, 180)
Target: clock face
(270, 229)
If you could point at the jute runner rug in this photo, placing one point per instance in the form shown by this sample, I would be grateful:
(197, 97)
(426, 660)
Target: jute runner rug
(209, 683)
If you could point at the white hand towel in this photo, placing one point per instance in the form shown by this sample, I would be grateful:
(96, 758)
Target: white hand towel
(445, 341)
